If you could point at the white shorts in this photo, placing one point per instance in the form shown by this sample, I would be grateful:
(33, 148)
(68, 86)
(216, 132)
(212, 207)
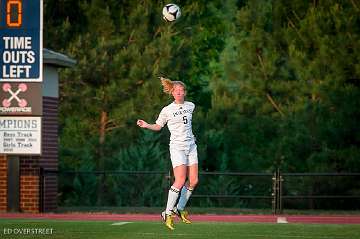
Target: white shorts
(183, 155)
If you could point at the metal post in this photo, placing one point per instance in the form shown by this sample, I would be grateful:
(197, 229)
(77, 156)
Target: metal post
(277, 192)
(169, 179)
(278, 201)
(166, 189)
(273, 194)
(13, 183)
(280, 193)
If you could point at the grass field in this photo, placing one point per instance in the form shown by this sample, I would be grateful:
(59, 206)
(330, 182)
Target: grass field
(12, 228)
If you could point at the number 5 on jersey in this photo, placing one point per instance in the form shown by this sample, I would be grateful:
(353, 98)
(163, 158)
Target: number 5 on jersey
(185, 120)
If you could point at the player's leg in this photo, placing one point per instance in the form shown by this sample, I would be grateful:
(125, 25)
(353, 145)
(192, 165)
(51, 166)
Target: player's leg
(187, 189)
(179, 169)
(180, 176)
(186, 192)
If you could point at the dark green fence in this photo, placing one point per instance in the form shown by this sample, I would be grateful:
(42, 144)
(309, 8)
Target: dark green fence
(335, 191)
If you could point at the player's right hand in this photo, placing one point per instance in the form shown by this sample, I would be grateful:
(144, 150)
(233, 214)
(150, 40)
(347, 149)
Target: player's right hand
(141, 123)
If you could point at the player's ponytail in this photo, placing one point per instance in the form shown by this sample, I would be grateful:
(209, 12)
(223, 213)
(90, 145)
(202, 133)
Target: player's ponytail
(168, 85)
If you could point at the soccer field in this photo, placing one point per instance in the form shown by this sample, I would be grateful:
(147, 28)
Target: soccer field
(14, 228)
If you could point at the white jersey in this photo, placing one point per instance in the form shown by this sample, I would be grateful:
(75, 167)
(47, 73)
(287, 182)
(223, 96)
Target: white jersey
(178, 118)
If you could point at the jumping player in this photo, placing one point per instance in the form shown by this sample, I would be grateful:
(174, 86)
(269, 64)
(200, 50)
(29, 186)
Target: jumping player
(183, 150)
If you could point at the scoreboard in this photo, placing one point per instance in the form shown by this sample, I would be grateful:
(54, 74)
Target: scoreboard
(21, 76)
(21, 40)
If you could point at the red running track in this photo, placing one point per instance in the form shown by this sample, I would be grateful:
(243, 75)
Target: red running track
(324, 219)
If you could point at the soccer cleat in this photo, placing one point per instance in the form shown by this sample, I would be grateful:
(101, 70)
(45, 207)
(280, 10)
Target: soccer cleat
(169, 223)
(182, 214)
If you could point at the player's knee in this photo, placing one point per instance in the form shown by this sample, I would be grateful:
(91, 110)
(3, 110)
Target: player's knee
(179, 182)
(193, 182)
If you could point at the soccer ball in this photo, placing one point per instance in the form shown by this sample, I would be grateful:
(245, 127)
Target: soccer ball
(171, 12)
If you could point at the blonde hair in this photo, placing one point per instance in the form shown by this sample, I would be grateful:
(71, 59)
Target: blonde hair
(168, 85)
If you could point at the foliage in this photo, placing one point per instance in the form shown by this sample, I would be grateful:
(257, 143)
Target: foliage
(275, 83)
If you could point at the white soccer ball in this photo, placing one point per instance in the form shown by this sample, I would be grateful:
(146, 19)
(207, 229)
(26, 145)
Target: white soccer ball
(171, 12)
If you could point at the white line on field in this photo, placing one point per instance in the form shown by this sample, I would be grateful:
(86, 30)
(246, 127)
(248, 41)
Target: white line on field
(120, 223)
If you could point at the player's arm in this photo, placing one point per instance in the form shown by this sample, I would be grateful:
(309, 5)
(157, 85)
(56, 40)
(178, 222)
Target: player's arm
(144, 124)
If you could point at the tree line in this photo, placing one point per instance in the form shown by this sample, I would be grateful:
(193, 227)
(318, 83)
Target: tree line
(275, 84)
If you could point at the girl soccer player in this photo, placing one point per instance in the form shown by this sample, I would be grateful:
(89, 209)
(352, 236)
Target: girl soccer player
(183, 150)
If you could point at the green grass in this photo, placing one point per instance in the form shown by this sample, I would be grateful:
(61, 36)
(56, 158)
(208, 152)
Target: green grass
(197, 230)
